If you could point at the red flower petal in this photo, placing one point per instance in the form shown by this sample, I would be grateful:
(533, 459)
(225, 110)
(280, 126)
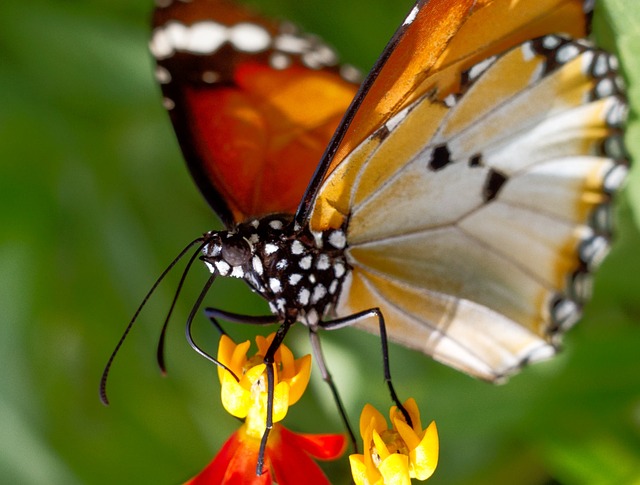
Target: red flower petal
(321, 446)
(292, 466)
(235, 463)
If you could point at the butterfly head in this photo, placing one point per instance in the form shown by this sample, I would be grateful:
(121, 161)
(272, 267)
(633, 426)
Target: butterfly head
(299, 273)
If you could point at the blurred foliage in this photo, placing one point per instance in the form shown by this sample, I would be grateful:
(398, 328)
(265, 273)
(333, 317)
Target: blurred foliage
(96, 201)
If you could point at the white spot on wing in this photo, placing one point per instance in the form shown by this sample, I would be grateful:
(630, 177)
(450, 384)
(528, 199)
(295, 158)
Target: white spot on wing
(294, 279)
(566, 53)
(412, 16)
(270, 248)
(162, 75)
(249, 37)
(205, 37)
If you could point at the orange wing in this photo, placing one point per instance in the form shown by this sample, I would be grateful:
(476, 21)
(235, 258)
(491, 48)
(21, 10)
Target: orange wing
(253, 102)
(438, 41)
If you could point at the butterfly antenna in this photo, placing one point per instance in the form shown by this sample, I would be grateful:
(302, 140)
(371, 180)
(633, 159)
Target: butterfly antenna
(192, 343)
(107, 367)
(163, 332)
(269, 359)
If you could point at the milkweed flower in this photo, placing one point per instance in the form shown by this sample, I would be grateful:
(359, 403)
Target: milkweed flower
(247, 398)
(288, 455)
(394, 455)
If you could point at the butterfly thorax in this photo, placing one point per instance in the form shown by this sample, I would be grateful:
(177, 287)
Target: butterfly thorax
(299, 272)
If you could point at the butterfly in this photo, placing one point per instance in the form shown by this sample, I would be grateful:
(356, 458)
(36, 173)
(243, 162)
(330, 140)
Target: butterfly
(461, 193)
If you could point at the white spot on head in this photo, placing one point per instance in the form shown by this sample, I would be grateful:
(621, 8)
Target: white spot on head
(222, 267)
(297, 247)
(337, 239)
(254, 238)
(412, 16)
(275, 285)
(249, 37)
(319, 292)
(237, 272)
(303, 296)
(305, 263)
(257, 265)
(212, 268)
(294, 279)
(270, 248)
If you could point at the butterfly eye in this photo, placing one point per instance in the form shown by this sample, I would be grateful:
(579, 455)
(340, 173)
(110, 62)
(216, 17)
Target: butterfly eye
(236, 250)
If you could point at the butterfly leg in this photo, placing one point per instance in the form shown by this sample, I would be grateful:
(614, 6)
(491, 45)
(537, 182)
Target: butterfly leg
(269, 359)
(214, 313)
(356, 317)
(326, 377)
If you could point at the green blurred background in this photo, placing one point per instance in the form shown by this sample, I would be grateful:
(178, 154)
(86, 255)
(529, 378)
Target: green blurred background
(95, 201)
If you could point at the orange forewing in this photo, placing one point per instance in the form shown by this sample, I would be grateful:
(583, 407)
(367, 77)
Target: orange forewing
(444, 39)
(260, 141)
(252, 135)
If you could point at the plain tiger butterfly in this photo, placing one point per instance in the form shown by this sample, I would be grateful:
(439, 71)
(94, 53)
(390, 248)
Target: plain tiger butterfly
(462, 190)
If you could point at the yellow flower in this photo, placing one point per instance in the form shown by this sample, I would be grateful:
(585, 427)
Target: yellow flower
(247, 398)
(394, 456)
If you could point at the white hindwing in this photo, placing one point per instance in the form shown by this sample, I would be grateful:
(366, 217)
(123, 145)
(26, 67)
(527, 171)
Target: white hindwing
(475, 221)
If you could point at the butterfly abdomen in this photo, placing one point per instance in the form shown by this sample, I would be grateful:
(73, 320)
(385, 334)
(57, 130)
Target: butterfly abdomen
(299, 273)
